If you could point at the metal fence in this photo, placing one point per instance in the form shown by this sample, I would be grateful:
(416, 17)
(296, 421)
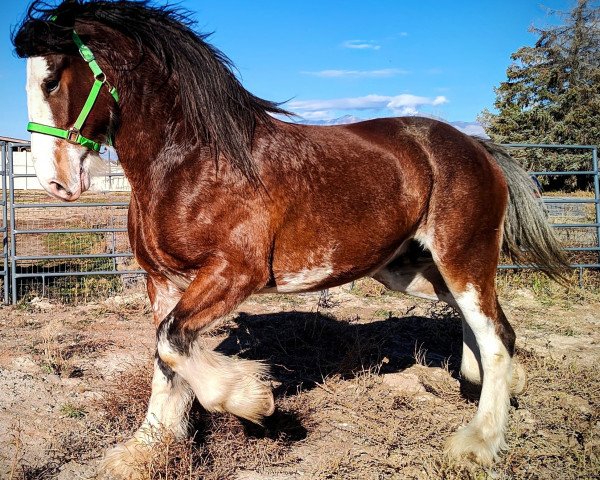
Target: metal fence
(576, 220)
(67, 251)
(80, 250)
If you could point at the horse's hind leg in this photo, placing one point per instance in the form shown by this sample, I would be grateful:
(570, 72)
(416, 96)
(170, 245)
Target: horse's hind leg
(466, 257)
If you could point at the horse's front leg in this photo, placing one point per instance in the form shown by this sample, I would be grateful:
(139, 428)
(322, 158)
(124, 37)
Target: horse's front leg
(167, 417)
(221, 383)
(169, 404)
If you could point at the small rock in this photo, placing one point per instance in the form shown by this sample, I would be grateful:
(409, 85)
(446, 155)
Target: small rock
(405, 382)
(76, 471)
(427, 397)
(26, 364)
(525, 293)
(41, 304)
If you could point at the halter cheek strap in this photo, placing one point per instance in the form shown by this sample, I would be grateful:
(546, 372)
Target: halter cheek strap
(73, 135)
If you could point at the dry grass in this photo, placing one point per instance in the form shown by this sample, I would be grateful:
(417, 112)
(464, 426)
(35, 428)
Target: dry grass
(56, 351)
(16, 445)
(219, 445)
(579, 289)
(334, 407)
(338, 417)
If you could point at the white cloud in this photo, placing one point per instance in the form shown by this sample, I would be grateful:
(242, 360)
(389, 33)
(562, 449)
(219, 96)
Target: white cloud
(383, 73)
(350, 103)
(404, 104)
(439, 100)
(361, 44)
(408, 110)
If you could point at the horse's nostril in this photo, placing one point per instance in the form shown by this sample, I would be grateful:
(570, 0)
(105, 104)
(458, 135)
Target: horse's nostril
(60, 189)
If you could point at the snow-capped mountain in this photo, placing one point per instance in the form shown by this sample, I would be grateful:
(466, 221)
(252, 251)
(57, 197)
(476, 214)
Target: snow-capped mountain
(470, 128)
(344, 120)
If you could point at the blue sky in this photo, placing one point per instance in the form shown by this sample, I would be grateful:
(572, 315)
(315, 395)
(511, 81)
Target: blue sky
(333, 57)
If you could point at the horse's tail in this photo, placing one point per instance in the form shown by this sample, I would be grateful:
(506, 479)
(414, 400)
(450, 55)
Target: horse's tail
(528, 237)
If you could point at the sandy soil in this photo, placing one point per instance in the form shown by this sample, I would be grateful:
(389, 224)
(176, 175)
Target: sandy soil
(366, 387)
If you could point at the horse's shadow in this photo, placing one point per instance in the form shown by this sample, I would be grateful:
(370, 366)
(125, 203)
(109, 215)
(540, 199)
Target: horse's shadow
(302, 349)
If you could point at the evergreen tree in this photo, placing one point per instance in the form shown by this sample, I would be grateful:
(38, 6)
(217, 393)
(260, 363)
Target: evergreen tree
(552, 92)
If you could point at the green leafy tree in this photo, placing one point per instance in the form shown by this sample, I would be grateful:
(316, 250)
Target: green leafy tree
(552, 93)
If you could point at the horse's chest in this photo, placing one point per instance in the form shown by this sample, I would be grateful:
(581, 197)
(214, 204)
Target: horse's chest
(179, 239)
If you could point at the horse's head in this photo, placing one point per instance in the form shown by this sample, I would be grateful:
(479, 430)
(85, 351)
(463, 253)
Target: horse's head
(70, 111)
(70, 116)
(57, 88)
(177, 89)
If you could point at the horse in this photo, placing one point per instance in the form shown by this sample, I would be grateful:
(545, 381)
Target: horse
(229, 199)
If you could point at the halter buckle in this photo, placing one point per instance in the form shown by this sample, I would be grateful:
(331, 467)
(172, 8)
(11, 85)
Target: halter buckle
(72, 135)
(86, 53)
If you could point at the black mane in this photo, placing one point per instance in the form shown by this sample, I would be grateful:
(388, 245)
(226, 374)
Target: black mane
(217, 108)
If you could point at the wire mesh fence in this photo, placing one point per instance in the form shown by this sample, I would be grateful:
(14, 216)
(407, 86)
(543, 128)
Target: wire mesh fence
(72, 252)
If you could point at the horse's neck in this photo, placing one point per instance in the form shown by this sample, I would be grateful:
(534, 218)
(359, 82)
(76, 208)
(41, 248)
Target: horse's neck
(155, 148)
(160, 168)
(151, 141)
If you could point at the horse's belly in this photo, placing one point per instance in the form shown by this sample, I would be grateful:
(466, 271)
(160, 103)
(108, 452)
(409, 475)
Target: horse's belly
(326, 268)
(305, 280)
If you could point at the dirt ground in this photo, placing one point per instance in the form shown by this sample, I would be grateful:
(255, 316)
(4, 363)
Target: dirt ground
(366, 385)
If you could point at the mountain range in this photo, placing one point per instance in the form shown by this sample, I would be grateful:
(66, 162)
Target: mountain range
(470, 128)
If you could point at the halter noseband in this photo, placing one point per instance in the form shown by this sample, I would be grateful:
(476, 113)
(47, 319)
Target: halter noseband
(73, 135)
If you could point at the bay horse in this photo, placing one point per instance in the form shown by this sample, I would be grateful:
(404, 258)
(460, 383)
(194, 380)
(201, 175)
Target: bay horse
(227, 201)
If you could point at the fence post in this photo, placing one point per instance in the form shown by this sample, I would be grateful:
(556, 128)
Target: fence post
(5, 281)
(13, 237)
(596, 195)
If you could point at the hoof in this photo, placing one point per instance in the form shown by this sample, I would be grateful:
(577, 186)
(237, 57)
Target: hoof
(468, 442)
(127, 461)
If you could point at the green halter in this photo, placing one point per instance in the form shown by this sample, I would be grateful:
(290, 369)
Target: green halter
(72, 135)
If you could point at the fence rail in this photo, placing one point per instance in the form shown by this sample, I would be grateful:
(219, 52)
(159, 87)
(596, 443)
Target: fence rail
(570, 226)
(49, 246)
(4, 271)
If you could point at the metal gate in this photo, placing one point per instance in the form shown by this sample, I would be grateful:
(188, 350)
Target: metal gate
(67, 251)
(580, 233)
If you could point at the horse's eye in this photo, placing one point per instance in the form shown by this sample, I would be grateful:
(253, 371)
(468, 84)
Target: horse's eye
(51, 85)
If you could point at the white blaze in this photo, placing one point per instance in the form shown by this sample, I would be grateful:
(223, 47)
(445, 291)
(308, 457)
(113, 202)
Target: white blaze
(42, 146)
(75, 176)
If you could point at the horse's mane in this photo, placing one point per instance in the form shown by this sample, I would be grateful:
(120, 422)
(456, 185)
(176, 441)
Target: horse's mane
(217, 108)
